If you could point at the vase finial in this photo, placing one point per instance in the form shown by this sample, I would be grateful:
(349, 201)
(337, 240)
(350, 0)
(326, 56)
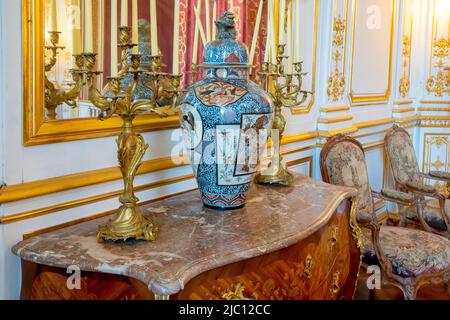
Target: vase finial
(226, 27)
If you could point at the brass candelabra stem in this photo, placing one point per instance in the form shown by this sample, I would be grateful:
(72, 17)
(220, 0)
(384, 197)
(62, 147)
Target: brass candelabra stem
(56, 96)
(129, 223)
(285, 93)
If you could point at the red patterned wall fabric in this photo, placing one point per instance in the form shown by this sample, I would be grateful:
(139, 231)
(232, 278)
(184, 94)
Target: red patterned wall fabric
(245, 15)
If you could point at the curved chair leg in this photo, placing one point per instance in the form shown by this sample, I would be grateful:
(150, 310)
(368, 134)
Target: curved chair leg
(409, 291)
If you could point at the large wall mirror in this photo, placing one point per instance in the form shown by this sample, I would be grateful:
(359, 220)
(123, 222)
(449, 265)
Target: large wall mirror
(57, 106)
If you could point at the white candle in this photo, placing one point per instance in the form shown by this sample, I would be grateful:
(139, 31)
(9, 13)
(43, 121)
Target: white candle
(199, 22)
(273, 45)
(296, 48)
(267, 49)
(289, 42)
(196, 39)
(256, 32)
(124, 13)
(214, 20)
(208, 21)
(114, 38)
(231, 6)
(176, 27)
(53, 16)
(88, 30)
(154, 28)
(135, 27)
(76, 28)
(281, 30)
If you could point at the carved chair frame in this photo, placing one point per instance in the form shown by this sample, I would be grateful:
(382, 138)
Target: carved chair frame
(409, 286)
(421, 190)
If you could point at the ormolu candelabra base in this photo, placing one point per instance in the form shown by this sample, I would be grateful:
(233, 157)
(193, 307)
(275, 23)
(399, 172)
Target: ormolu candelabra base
(129, 223)
(282, 178)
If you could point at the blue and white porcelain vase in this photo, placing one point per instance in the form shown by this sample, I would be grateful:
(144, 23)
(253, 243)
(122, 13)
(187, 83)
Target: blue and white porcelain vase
(226, 119)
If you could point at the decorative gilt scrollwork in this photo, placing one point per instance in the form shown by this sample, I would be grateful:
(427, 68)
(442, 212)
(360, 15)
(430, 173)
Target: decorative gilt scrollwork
(55, 96)
(335, 288)
(336, 80)
(440, 83)
(405, 83)
(433, 160)
(236, 293)
(308, 270)
(356, 230)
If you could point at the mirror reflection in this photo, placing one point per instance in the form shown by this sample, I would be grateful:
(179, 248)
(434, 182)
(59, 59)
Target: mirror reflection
(73, 27)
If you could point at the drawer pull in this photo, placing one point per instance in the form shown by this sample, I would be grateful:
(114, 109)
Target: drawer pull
(334, 289)
(334, 236)
(236, 293)
(308, 267)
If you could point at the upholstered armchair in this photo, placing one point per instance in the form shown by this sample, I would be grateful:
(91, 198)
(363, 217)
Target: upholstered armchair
(408, 258)
(433, 214)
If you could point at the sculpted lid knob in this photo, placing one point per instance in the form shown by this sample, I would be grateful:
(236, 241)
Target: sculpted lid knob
(226, 26)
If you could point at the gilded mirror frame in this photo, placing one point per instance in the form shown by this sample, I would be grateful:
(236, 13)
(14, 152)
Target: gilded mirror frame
(36, 131)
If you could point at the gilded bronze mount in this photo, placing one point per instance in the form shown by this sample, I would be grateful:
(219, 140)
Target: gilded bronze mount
(129, 222)
(285, 93)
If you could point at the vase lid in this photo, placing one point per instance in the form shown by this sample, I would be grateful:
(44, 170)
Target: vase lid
(225, 50)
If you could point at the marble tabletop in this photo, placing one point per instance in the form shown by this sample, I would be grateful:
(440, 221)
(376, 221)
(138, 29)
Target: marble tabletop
(192, 238)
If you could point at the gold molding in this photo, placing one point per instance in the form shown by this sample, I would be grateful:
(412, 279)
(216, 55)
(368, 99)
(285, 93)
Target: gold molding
(435, 101)
(335, 119)
(331, 133)
(302, 161)
(404, 85)
(403, 110)
(110, 195)
(287, 139)
(78, 180)
(314, 64)
(334, 109)
(85, 201)
(403, 102)
(368, 124)
(437, 109)
(372, 147)
(355, 99)
(36, 131)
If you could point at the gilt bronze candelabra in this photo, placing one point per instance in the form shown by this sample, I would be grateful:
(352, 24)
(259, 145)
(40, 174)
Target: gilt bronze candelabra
(285, 93)
(56, 96)
(129, 222)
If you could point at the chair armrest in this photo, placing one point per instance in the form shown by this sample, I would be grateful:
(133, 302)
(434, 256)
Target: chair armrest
(439, 175)
(424, 190)
(397, 196)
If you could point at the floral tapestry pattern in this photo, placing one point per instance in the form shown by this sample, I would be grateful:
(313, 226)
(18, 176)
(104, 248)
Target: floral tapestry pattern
(403, 158)
(347, 167)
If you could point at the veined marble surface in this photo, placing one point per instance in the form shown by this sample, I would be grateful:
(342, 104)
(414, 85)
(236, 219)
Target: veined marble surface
(192, 238)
